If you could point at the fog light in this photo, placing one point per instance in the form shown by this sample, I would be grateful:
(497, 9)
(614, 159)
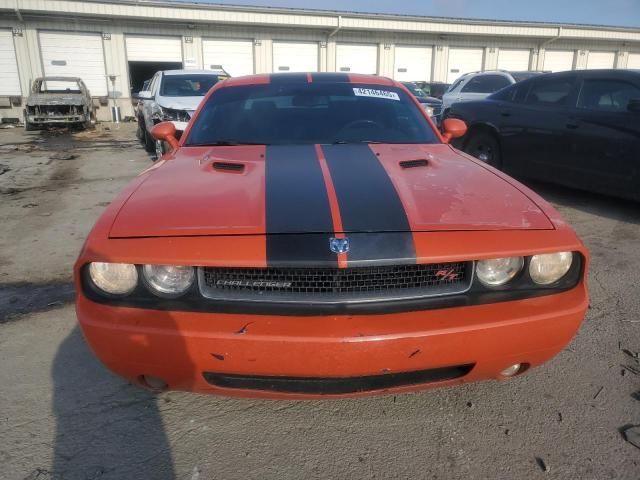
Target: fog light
(512, 370)
(154, 383)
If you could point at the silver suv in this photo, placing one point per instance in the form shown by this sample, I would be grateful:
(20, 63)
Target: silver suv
(172, 95)
(479, 85)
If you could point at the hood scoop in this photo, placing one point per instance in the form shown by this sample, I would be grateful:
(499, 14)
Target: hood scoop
(229, 167)
(420, 162)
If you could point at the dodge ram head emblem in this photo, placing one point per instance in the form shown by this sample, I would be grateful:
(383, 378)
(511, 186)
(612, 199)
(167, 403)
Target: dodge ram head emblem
(339, 245)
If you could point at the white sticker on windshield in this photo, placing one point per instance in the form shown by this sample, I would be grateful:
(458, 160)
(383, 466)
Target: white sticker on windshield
(372, 92)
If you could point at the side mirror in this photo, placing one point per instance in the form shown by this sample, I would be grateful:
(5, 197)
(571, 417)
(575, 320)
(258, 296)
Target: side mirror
(453, 128)
(634, 105)
(165, 131)
(144, 95)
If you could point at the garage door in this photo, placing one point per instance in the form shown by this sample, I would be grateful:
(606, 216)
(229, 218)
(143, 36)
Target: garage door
(634, 61)
(514, 60)
(351, 58)
(295, 57)
(601, 60)
(558, 60)
(464, 60)
(154, 49)
(75, 55)
(412, 64)
(235, 56)
(9, 80)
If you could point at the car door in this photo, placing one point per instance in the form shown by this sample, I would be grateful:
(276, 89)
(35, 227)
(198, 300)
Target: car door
(147, 106)
(542, 148)
(606, 134)
(480, 86)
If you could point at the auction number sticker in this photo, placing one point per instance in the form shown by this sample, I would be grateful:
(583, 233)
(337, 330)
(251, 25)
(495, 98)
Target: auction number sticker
(372, 92)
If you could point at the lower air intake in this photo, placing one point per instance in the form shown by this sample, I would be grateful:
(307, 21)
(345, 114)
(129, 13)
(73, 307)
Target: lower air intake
(335, 385)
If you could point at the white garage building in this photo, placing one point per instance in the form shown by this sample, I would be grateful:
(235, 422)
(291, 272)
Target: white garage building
(128, 40)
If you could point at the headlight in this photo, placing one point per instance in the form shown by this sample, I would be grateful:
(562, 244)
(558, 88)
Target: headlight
(114, 278)
(168, 280)
(550, 267)
(498, 271)
(428, 109)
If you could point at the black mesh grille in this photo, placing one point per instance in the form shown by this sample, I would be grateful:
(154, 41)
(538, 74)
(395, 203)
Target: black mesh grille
(327, 284)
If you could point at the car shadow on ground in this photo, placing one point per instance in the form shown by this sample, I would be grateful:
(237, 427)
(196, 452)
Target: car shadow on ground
(593, 203)
(105, 427)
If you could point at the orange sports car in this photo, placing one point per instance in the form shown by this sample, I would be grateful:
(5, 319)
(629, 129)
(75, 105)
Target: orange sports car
(314, 235)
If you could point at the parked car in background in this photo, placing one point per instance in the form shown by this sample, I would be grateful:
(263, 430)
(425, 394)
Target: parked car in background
(580, 129)
(138, 109)
(479, 85)
(313, 216)
(173, 95)
(432, 105)
(433, 89)
(58, 101)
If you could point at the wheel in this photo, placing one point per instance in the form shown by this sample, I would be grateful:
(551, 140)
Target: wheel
(149, 142)
(160, 149)
(485, 147)
(140, 130)
(28, 126)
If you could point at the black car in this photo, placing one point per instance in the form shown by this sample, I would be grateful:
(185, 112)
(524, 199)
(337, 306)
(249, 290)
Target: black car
(580, 129)
(432, 105)
(434, 89)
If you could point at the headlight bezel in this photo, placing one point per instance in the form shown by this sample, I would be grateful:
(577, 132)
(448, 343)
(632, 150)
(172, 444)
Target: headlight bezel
(556, 280)
(160, 293)
(523, 282)
(102, 291)
(521, 265)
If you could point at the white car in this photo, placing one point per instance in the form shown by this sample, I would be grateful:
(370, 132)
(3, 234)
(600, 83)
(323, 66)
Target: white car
(172, 95)
(479, 85)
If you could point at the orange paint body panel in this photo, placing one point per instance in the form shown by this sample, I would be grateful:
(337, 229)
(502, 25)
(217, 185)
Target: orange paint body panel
(179, 346)
(187, 211)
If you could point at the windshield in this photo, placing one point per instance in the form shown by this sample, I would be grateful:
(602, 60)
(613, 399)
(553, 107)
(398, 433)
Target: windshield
(415, 90)
(59, 86)
(187, 85)
(310, 113)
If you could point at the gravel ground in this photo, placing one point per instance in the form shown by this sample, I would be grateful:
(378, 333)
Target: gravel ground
(64, 416)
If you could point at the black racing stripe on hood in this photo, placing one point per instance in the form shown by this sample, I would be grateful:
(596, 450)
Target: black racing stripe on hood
(296, 202)
(289, 78)
(369, 202)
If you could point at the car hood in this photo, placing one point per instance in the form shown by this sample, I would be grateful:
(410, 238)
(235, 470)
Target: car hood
(56, 99)
(180, 103)
(249, 190)
(430, 100)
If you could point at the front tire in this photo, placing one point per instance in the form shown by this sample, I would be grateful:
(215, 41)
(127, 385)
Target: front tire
(160, 149)
(149, 141)
(485, 147)
(28, 126)
(140, 130)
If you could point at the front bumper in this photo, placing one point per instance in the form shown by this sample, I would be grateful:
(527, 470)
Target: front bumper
(56, 119)
(183, 347)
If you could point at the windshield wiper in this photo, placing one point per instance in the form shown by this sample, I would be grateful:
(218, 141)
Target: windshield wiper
(224, 143)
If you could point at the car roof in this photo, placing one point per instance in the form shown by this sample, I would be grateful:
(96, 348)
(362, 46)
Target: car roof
(324, 77)
(193, 72)
(59, 79)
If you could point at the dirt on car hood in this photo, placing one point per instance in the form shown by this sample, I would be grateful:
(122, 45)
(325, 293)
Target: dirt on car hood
(249, 190)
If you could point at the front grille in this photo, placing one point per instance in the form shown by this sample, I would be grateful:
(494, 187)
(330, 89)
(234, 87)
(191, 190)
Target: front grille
(331, 285)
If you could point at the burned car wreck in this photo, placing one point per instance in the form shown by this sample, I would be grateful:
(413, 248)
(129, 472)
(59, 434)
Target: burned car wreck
(58, 101)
